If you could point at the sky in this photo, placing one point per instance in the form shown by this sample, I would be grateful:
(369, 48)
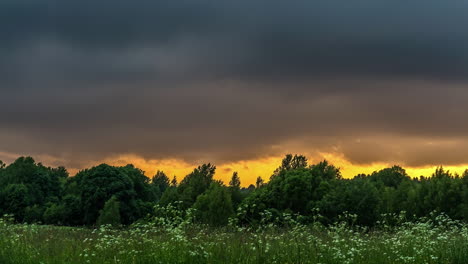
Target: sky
(170, 85)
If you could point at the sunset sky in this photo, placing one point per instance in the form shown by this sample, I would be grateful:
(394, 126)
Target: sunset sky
(173, 84)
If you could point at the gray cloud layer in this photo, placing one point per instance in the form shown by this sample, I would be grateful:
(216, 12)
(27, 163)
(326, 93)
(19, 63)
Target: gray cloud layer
(229, 80)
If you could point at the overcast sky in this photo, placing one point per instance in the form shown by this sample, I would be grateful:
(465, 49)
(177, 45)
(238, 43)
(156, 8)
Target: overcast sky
(374, 81)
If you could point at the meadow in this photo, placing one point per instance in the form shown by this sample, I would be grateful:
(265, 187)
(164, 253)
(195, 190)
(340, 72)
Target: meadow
(428, 240)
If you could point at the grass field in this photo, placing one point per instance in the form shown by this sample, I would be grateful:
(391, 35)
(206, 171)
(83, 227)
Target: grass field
(427, 241)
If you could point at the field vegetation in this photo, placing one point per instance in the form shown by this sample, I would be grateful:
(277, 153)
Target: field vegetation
(163, 240)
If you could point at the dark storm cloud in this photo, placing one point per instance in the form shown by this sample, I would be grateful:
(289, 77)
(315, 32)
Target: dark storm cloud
(230, 80)
(426, 38)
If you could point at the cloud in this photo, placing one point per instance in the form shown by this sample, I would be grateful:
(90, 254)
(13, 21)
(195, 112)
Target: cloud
(227, 81)
(418, 38)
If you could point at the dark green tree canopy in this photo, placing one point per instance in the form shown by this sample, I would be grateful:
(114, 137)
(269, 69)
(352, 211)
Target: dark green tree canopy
(106, 194)
(259, 182)
(235, 180)
(291, 162)
(160, 183)
(196, 183)
(214, 207)
(25, 184)
(390, 177)
(235, 189)
(99, 184)
(110, 214)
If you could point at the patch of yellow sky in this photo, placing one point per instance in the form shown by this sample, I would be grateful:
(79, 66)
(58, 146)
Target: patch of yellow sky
(249, 170)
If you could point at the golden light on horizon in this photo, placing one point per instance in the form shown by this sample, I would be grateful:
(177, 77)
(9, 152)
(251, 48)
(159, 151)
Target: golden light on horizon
(249, 170)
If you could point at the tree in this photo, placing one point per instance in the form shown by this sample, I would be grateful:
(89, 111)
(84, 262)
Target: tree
(174, 181)
(99, 184)
(33, 214)
(390, 177)
(294, 189)
(234, 188)
(214, 207)
(141, 183)
(325, 171)
(110, 214)
(43, 184)
(291, 162)
(144, 195)
(357, 196)
(160, 183)
(14, 199)
(235, 180)
(105, 194)
(259, 182)
(444, 193)
(73, 211)
(170, 196)
(54, 214)
(196, 183)
(464, 191)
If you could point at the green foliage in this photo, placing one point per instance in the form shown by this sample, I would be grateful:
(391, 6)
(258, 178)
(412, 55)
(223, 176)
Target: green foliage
(72, 210)
(171, 216)
(170, 196)
(259, 182)
(294, 189)
(110, 214)
(235, 181)
(98, 184)
(175, 239)
(33, 193)
(14, 200)
(160, 183)
(390, 177)
(214, 207)
(235, 190)
(358, 196)
(26, 186)
(291, 162)
(195, 184)
(141, 184)
(54, 214)
(174, 181)
(33, 214)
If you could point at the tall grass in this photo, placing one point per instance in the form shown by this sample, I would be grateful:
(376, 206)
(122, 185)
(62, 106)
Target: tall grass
(437, 240)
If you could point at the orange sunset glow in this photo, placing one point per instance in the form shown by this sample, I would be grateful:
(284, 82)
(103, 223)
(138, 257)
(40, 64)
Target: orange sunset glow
(249, 170)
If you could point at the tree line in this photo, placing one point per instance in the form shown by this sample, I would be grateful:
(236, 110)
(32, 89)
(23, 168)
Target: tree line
(104, 194)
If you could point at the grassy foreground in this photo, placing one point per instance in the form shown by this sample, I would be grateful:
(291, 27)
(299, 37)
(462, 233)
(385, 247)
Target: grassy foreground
(427, 241)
